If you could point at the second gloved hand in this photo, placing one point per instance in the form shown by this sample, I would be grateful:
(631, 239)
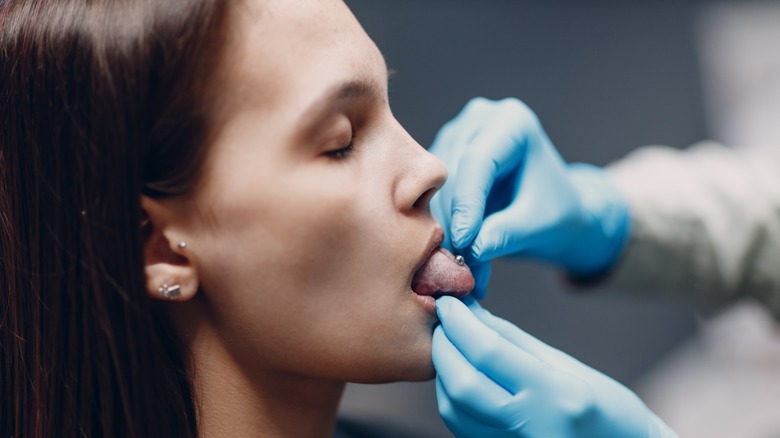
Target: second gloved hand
(495, 380)
(510, 193)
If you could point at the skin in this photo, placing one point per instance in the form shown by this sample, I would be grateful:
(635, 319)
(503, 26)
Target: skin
(299, 259)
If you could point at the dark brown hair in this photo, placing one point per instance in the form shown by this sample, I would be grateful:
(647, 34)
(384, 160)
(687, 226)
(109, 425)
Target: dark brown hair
(101, 101)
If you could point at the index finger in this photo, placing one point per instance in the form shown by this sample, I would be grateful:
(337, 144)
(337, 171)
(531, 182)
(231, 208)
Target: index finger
(494, 151)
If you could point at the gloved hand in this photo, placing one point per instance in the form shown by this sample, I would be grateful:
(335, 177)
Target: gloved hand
(495, 380)
(510, 193)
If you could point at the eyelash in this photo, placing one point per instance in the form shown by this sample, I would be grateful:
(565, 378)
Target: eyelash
(343, 153)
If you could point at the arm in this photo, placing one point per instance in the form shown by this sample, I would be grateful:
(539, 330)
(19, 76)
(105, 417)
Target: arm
(705, 224)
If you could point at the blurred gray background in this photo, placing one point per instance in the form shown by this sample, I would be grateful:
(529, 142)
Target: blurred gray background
(605, 77)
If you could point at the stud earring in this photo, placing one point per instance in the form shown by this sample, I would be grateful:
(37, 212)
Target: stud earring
(459, 260)
(182, 245)
(170, 292)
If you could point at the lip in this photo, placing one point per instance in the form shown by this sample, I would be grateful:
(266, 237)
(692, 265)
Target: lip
(434, 242)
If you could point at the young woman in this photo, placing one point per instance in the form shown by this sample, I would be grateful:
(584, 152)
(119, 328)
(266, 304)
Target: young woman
(210, 219)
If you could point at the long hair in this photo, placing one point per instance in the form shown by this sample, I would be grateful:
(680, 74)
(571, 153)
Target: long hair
(101, 101)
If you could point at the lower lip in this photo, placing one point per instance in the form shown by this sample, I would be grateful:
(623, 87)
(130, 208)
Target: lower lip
(428, 303)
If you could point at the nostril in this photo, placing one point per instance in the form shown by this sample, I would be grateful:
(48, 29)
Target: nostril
(425, 198)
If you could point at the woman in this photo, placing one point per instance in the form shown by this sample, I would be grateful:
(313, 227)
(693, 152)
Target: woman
(211, 219)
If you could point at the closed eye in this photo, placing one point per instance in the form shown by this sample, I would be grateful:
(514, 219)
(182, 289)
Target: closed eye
(343, 153)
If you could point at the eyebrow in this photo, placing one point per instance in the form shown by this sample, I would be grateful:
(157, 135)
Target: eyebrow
(342, 94)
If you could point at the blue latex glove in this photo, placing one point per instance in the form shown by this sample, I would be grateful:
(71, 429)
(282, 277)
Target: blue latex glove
(495, 380)
(510, 193)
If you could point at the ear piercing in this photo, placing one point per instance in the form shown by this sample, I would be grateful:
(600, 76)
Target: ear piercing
(173, 291)
(459, 260)
(170, 292)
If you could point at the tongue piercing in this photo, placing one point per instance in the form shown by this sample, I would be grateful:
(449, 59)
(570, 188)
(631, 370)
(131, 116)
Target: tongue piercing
(459, 260)
(170, 292)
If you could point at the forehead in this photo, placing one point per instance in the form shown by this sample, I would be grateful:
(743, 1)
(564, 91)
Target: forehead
(287, 52)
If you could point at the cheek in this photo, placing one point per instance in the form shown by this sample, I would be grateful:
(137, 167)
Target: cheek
(317, 281)
(282, 245)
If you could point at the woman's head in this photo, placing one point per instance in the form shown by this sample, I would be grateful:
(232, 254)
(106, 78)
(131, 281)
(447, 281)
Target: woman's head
(259, 133)
(311, 215)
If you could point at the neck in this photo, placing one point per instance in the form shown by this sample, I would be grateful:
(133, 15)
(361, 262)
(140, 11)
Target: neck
(233, 400)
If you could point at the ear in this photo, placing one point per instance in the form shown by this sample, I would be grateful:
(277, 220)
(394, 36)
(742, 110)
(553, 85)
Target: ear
(170, 274)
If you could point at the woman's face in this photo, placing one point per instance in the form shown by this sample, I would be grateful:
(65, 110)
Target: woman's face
(312, 214)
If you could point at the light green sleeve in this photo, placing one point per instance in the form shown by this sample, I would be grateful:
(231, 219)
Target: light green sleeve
(705, 224)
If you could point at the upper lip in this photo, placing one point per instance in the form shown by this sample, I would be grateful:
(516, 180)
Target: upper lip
(435, 241)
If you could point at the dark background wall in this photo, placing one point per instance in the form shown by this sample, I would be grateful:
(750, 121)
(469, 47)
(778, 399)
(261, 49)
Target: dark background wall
(605, 77)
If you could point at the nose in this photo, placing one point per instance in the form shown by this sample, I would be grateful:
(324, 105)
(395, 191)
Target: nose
(421, 175)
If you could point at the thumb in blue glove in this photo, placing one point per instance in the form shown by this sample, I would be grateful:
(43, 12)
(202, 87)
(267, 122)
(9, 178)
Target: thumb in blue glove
(495, 380)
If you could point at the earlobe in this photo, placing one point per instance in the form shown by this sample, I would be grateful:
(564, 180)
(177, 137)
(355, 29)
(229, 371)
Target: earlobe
(171, 283)
(170, 275)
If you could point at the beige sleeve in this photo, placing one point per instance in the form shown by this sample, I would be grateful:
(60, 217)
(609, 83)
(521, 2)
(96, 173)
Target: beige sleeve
(706, 224)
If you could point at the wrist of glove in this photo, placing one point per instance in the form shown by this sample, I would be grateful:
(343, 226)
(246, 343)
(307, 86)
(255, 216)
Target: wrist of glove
(605, 221)
(495, 380)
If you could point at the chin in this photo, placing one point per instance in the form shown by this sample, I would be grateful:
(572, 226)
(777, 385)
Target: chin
(423, 375)
(419, 370)
(414, 366)
(419, 374)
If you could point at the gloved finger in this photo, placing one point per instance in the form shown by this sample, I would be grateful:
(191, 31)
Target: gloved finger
(448, 414)
(520, 337)
(501, 235)
(509, 127)
(500, 360)
(461, 424)
(495, 151)
(467, 389)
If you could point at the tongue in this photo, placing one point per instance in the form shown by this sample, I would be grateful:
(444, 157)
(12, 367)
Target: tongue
(442, 275)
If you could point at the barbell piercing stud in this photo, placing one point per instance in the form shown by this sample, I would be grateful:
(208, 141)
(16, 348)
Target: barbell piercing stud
(459, 260)
(182, 245)
(170, 292)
